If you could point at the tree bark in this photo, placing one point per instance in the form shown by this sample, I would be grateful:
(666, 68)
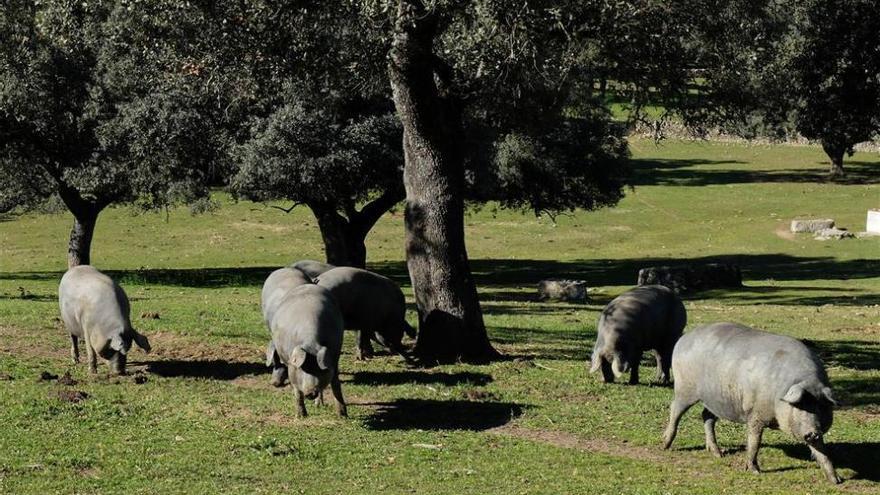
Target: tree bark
(450, 319)
(342, 246)
(835, 154)
(79, 246)
(85, 215)
(344, 238)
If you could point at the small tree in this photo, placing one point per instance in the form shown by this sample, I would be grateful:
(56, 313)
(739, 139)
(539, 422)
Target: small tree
(835, 72)
(87, 114)
(330, 160)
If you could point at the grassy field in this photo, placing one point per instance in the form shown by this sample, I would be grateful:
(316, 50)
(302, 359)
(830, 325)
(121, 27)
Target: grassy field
(199, 416)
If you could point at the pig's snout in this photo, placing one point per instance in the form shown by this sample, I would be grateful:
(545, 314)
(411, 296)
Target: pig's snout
(813, 437)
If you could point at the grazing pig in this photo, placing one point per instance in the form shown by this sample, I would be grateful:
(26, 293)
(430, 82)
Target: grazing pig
(370, 303)
(275, 288)
(647, 317)
(307, 337)
(96, 309)
(312, 268)
(752, 377)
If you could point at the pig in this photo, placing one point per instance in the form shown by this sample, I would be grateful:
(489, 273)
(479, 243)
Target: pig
(370, 303)
(647, 317)
(275, 288)
(307, 331)
(96, 309)
(312, 268)
(761, 379)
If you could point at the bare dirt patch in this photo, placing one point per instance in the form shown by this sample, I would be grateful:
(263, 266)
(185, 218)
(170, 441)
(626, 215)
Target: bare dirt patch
(570, 441)
(72, 396)
(278, 229)
(784, 232)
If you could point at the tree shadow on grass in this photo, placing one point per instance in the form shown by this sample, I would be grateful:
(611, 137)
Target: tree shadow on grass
(214, 369)
(860, 355)
(420, 414)
(862, 457)
(697, 172)
(419, 377)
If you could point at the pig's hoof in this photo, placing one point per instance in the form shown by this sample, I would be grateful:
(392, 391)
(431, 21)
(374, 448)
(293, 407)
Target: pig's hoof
(753, 468)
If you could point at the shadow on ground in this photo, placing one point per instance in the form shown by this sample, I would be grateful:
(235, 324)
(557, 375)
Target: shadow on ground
(215, 369)
(420, 414)
(698, 172)
(419, 378)
(863, 458)
(499, 276)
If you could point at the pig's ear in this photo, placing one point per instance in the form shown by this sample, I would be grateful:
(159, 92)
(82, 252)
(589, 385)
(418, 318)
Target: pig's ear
(322, 358)
(297, 357)
(794, 394)
(827, 395)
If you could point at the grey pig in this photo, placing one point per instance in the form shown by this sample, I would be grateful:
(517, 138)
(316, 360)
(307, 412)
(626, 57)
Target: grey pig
(276, 286)
(757, 378)
(307, 335)
(96, 309)
(647, 317)
(370, 303)
(312, 268)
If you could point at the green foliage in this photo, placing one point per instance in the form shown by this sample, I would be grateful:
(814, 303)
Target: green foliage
(835, 73)
(315, 155)
(581, 163)
(88, 109)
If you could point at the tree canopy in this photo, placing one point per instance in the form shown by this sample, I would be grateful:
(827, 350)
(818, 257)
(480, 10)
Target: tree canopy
(90, 111)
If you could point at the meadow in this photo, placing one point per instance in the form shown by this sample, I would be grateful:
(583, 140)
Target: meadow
(198, 415)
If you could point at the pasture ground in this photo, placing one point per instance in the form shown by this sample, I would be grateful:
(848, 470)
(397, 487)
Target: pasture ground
(199, 416)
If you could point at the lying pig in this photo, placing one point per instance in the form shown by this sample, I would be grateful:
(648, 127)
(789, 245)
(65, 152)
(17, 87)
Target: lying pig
(312, 268)
(647, 317)
(370, 303)
(752, 377)
(307, 337)
(96, 309)
(275, 288)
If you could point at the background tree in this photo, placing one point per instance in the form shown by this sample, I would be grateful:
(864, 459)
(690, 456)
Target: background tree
(86, 113)
(835, 75)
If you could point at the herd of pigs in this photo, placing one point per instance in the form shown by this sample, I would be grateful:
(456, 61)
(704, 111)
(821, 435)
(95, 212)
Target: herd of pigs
(740, 374)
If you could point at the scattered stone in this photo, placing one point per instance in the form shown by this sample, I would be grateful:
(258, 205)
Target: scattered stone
(150, 315)
(867, 235)
(66, 379)
(833, 234)
(45, 376)
(72, 396)
(692, 278)
(811, 225)
(563, 290)
(5, 377)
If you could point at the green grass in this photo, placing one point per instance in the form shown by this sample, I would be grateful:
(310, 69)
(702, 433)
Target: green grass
(206, 419)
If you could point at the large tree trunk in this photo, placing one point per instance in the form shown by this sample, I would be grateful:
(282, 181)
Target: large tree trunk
(450, 319)
(835, 154)
(80, 245)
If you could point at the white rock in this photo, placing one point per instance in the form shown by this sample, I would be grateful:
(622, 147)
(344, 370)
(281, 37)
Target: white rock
(873, 224)
(811, 225)
(829, 234)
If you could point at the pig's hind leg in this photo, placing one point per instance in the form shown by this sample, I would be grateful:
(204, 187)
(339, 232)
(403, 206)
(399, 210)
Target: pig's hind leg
(679, 406)
(709, 420)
